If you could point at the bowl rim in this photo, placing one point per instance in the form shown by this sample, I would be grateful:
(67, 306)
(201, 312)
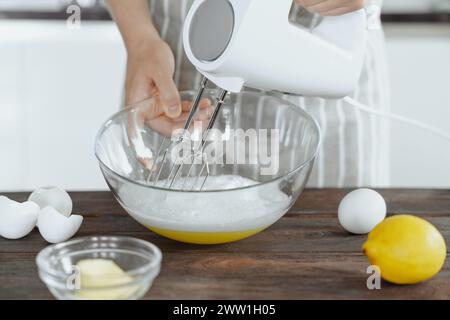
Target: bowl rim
(136, 105)
(139, 273)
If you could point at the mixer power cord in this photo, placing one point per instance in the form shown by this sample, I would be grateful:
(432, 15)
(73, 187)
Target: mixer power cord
(402, 119)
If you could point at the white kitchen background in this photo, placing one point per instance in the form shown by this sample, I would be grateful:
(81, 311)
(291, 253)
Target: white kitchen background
(58, 85)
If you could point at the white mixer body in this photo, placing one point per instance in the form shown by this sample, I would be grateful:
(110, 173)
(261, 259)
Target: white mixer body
(237, 43)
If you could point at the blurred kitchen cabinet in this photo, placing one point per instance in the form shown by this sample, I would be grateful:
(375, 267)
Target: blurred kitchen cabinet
(419, 62)
(12, 138)
(57, 86)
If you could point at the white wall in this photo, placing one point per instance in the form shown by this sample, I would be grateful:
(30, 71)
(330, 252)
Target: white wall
(412, 6)
(419, 60)
(57, 86)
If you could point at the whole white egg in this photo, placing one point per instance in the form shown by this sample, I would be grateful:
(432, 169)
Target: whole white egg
(361, 210)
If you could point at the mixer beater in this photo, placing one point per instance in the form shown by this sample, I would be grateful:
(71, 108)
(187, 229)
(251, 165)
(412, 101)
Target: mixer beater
(176, 167)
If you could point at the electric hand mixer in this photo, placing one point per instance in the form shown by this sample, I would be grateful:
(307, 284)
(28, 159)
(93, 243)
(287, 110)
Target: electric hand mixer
(252, 43)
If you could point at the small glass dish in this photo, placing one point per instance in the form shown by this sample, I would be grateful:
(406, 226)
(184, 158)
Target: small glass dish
(137, 261)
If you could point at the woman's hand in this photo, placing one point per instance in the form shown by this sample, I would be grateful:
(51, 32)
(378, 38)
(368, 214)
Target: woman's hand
(150, 87)
(150, 65)
(331, 7)
(149, 74)
(150, 112)
(150, 69)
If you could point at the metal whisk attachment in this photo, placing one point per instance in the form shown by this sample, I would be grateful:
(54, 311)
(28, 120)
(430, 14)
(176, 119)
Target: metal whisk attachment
(162, 160)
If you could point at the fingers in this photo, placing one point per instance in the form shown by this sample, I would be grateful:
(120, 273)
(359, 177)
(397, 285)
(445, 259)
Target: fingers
(166, 126)
(152, 112)
(202, 114)
(322, 7)
(338, 11)
(168, 95)
(309, 3)
(204, 103)
(139, 90)
(331, 7)
(153, 108)
(136, 121)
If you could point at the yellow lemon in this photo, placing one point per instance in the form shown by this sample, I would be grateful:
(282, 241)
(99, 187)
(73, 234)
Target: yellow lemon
(407, 249)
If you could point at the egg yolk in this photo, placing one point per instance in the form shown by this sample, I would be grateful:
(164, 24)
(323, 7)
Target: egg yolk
(205, 237)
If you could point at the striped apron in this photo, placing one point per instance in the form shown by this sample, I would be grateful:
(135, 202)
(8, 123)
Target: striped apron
(355, 147)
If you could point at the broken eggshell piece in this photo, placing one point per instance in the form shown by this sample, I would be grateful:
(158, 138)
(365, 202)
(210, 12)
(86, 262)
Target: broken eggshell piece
(55, 227)
(53, 197)
(17, 219)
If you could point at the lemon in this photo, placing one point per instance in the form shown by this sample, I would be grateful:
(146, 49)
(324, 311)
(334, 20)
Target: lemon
(407, 249)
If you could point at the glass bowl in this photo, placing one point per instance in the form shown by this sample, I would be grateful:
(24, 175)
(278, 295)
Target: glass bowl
(131, 266)
(273, 147)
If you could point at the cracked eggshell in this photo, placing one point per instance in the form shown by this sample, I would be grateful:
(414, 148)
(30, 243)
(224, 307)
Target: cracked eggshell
(53, 197)
(55, 227)
(17, 219)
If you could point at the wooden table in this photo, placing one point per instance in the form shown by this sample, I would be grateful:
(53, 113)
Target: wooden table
(305, 255)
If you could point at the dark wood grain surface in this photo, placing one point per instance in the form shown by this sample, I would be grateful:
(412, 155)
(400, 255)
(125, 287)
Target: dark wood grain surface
(305, 255)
